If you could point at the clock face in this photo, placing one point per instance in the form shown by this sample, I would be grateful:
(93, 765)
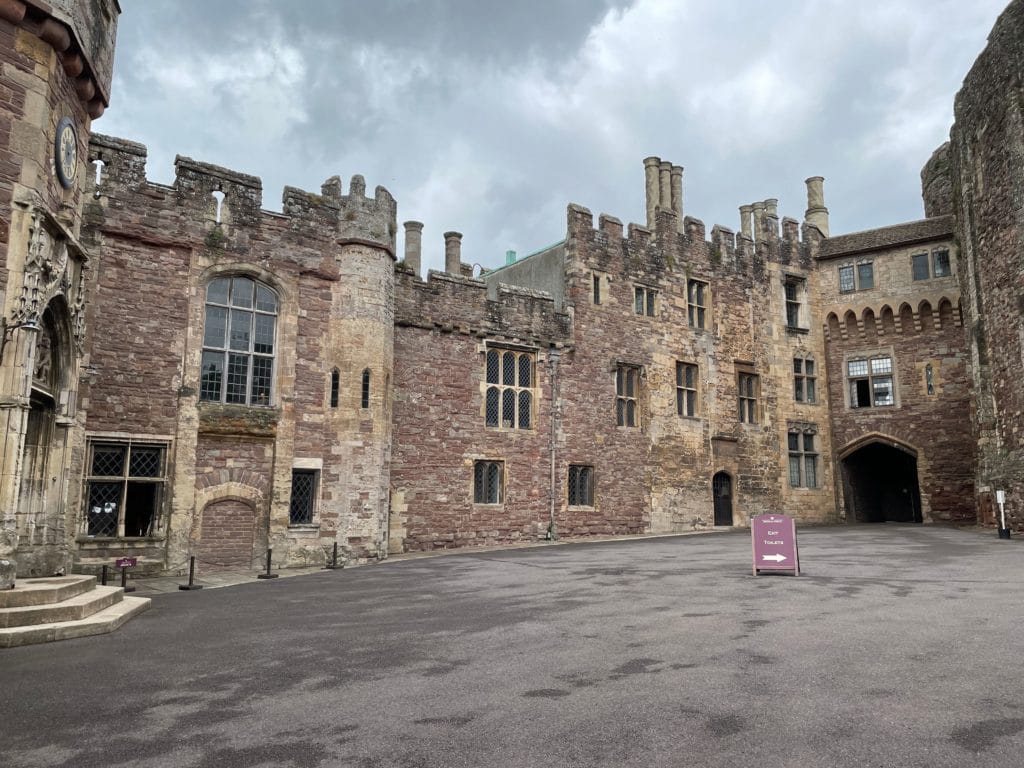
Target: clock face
(66, 152)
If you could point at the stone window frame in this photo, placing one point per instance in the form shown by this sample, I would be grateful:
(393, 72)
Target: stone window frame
(627, 395)
(497, 388)
(805, 378)
(92, 479)
(748, 395)
(209, 350)
(645, 300)
(698, 301)
(856, 278)
(580, 485)
(334, 390)
(803, 465)
(872, 374)
(687, 389)
(794, 298)
(947, 268)
(312, 469)
(488, 482)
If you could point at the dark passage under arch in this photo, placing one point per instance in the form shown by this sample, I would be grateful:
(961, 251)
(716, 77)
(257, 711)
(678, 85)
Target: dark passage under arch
(880, 485)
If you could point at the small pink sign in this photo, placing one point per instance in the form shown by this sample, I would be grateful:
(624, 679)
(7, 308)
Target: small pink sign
(126, 562)
(774, 543)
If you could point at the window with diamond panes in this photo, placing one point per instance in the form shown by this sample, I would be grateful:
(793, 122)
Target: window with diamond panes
(696, 303)
(805, 380)
(239, 336)
(581, 485)
(686, 389)
(487, 482)
(871, 382)
(303, 501)
(803, 460)
(509, 398)
(124, 489)
(627, 387)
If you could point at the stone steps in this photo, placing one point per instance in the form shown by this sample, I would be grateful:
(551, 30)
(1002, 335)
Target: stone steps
(44, 610)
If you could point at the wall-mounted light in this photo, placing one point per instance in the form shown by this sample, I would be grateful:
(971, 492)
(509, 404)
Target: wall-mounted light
(7, 331)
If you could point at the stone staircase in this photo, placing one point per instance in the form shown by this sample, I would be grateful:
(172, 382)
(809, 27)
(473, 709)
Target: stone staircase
(59, 608)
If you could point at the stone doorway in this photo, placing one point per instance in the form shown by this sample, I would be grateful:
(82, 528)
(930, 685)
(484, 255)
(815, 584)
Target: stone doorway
(880, 484)
(227, 535)
(721, 490)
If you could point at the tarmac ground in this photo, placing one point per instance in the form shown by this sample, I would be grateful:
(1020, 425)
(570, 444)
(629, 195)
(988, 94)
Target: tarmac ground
(899, 646)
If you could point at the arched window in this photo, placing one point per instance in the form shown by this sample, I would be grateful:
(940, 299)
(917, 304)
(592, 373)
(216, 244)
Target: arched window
(366, 389)
(239, 336)
(335, 387)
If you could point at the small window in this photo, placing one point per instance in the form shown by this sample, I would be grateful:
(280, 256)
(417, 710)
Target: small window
(304, 493)
(696, 303)
(335, 387)
(865, 276)
(749, 391)
(686, 389)
(805, 389)
(643, 300)
(581, 485)
(124, 488)
(509, 396)
(929, 379)
(940, 263)
(870, 382)
(795, 290)
(846, 284)
(597, 289)
(803, 459)
(920, 266)
(627, 387)
(365, 398)
(488, 482)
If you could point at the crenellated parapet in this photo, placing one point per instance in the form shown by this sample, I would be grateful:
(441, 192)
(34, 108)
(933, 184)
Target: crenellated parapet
(227, 204)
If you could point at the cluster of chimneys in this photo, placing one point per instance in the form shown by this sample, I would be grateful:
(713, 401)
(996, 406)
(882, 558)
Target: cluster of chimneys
(414, 248)
(664, 186)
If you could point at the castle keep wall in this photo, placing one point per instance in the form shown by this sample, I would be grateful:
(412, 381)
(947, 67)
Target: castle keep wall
(328, 261)
(987, 169)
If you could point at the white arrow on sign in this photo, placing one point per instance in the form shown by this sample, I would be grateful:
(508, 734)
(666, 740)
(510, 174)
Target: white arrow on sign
(776, 558)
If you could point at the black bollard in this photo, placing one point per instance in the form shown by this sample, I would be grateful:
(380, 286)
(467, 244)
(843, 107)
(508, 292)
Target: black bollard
(103, 576)
(191, 576)
(124, 580)
(334, 560)
(268, 574)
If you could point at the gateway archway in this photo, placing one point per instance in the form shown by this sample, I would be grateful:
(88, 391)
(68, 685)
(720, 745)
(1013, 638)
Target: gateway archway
(880, 483)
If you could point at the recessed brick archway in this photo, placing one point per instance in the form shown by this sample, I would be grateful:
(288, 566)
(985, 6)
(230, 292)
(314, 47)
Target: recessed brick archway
(880, 482)
(227, 535)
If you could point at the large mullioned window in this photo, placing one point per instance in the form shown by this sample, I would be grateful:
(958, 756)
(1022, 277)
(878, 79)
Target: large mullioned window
(510, 382)
(239, 337)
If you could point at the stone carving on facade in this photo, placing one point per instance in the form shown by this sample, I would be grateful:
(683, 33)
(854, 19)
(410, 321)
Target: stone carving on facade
(50, 272)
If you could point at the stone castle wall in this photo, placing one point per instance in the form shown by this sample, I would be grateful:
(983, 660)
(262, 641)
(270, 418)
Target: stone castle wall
(987, 170)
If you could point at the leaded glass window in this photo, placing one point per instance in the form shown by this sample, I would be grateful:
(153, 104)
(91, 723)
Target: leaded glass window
(510, 379)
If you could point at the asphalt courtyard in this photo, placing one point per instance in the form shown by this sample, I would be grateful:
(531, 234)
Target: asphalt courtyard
(900, 646)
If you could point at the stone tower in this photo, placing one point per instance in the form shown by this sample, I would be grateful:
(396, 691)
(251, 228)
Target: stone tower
(56, 67)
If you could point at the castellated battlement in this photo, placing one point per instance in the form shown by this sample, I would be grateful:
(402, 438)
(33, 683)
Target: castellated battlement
(231, 201)
(450, 303)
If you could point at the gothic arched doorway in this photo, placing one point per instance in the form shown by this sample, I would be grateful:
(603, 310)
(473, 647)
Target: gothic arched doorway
(721, 490)
(880, 484)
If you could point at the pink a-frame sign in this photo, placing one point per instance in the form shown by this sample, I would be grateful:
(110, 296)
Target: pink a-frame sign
(773, 540)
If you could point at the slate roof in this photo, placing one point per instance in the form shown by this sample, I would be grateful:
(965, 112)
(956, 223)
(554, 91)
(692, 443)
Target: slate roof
(911, 232)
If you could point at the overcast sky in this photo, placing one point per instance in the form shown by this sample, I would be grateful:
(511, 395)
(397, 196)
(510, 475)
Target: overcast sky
(490, 117)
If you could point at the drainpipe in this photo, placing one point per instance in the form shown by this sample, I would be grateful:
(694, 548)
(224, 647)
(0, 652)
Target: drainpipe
(553, 357)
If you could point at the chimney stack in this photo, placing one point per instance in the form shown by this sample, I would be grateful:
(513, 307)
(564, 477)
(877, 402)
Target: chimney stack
(453, 252)
(746, 225)
(413, 245)
(677, 194)
(665, 186)
(817, 213)
(653, 187)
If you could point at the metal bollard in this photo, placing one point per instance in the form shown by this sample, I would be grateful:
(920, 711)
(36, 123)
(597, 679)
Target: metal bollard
(334, 560)
(268, 574)
(103, 576)
(124, 580)
(191, 576)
